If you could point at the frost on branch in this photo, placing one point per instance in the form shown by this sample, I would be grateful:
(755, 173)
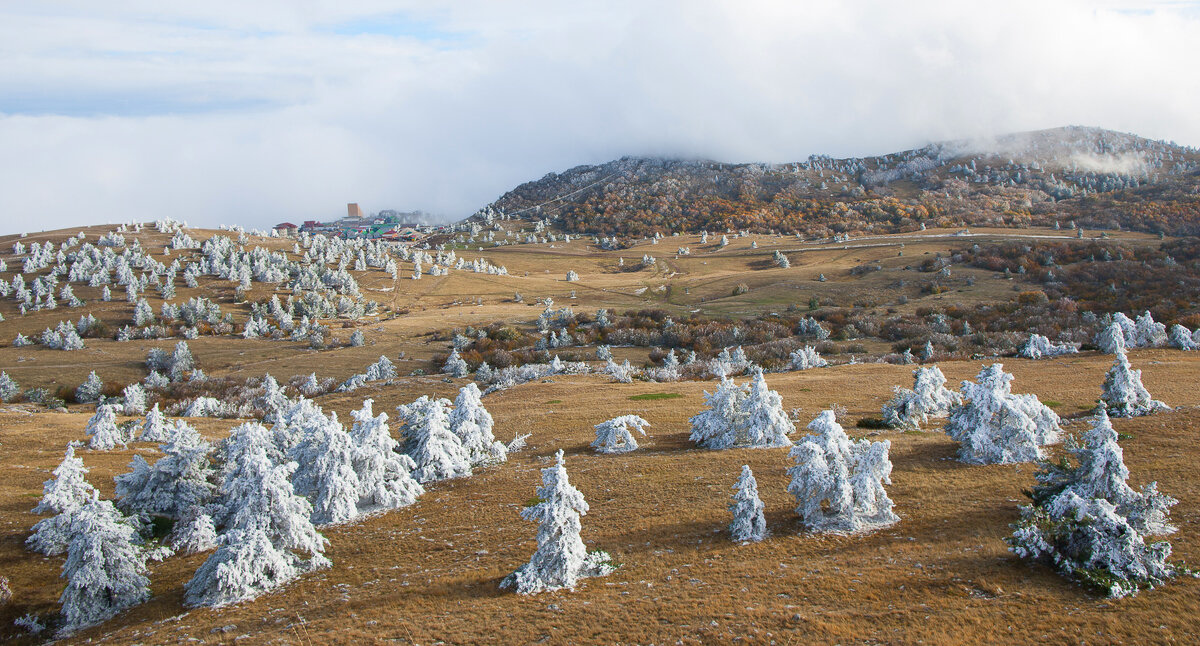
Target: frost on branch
(384, 476)
(195, 533)
(472, 423)
(994, 426)
(928, 398)
(154, 429)
(561, 558)
(105, 568)
(1111, 339)
(838, 483)
(62, 496)
(1039, 346)
(748, 524)
(433, 447)
(615, 436)
(1124, 394)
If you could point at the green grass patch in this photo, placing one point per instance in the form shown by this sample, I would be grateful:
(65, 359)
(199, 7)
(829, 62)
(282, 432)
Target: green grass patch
(644, 397)
(1083, 407)
(1125, 436)
(1052, 404)
(554, 401)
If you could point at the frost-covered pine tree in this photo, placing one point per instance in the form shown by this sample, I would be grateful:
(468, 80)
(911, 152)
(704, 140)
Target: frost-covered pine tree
(717, 427)
(105, 567)
(8, 387)
(766, 423)
(748, 524)
(806, 358)
(266, 523)
(194, 533)
(1181, 339)
(326, 473)
(436, 450)
(103, 431)
(1111, 339)
(1124, 394)
(174, 484)
(357, 339)
(561, 558)
(1100, 472)
(455, 366)
(154, 428)
(572, 276)
(928, 398)
(182, 361)
(838, 484)
(994, 426)
(62, 496)
(472, 423)
(91, 390)
(615, 436)
(1039, 346)
(1149, 333)
(384, 476)
(134, 399)
(1087, 522)
(143, 314)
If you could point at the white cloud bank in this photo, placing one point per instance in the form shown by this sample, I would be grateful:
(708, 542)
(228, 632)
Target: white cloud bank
(259, 112)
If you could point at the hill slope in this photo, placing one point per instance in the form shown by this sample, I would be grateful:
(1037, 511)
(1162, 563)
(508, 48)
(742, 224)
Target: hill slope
(1095, 176)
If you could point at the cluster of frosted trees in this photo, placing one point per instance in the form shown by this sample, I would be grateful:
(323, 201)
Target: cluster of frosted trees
(750, 415)
(1038, 347)
(257, 498)
(1120, 333)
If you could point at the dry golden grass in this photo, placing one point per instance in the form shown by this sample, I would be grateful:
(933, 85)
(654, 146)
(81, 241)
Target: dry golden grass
(430, 572)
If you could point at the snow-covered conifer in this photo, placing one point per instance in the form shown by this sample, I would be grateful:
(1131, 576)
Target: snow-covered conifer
(105, 567)
(766, 423)
(1149, 333)
(103, 431)
(718, 427)
(62, 496)
(384, 476)
(615, 436)
(436, 450)
(472, 423)
(134, 399)
(994, 426)
(806, 358)
(327, 475)
(455, 366)
(838, 484)
(174, 484)
(8, 387)
(266, 522)
(561, 558)
(572, 276)
(748, 524)
(928, 398)
(1111, 339)
(91, 390)
(1039, 346)
(1124, 393)
(143, 314)
(1180, 338)
(181, 361)
(194, 533)
(154, 428)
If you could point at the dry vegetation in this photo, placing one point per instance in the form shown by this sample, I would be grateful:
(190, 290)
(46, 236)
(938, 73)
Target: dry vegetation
(430, 572)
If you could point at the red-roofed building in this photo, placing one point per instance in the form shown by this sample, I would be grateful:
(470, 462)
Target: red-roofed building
(286, 229)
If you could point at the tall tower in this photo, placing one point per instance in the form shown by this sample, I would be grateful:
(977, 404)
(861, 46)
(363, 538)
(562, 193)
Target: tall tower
(353, 211)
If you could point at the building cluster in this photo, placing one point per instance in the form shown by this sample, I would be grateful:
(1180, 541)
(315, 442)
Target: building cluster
(385, 225)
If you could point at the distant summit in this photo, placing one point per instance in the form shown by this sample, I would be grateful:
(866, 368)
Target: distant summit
(1099, 178)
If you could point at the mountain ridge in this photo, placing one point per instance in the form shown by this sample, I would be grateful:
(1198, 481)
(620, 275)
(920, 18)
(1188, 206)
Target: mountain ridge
(1014, 179)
